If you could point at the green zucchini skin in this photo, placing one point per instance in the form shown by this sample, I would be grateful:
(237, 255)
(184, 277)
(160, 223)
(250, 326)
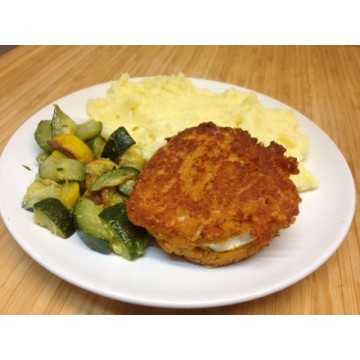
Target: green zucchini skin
(118, 142)
(92, 230)
(97, 244)
(131, 240)
(53, 215)
(42, 134)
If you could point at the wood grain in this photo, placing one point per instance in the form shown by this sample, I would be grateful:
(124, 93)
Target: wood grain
(322, 82)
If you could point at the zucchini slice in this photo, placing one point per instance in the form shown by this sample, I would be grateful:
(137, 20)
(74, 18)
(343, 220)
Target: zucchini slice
(62, 123)
(50, 213)
(92, 230)
(58, 167)
(97, 145)
(127, 187)
(67, 193)
(132, 157)
(118, 142)
(131, 240)
(42, 134)
(42, 157)
(99, 166)
(88, 129)
(40, 189)
(114, 178)
(95, 168)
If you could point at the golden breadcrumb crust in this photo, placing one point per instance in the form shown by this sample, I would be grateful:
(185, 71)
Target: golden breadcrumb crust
(209, 184)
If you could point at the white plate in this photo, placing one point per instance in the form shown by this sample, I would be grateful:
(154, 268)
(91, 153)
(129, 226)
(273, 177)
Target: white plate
(158, 279)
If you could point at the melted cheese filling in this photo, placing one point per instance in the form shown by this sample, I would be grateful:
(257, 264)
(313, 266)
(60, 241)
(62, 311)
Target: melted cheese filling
(232, 243)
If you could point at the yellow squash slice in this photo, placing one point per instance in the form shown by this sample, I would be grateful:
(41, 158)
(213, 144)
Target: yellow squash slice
(70, 194)
(72, 146)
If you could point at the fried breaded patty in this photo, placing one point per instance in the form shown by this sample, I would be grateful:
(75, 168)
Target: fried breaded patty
(209, 184)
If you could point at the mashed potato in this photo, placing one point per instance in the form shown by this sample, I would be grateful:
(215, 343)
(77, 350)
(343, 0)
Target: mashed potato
(160, 107)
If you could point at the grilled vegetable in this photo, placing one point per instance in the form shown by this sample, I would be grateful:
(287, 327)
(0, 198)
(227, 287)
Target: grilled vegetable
(62, 123)
(114, 178)
(92, 230)
(132, 158)
(70, 193)
(99, 166)
(97, 145)
(88, 130)
(95, 168)
(58, 167)
(72, 146)
(43, 133)
(131, 240)
(42, 157)
(50, 213)
(118, 142)
(127, 187)
(38, 190)
(82, 184)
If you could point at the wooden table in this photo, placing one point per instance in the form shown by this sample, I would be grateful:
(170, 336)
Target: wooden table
(323, 83)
